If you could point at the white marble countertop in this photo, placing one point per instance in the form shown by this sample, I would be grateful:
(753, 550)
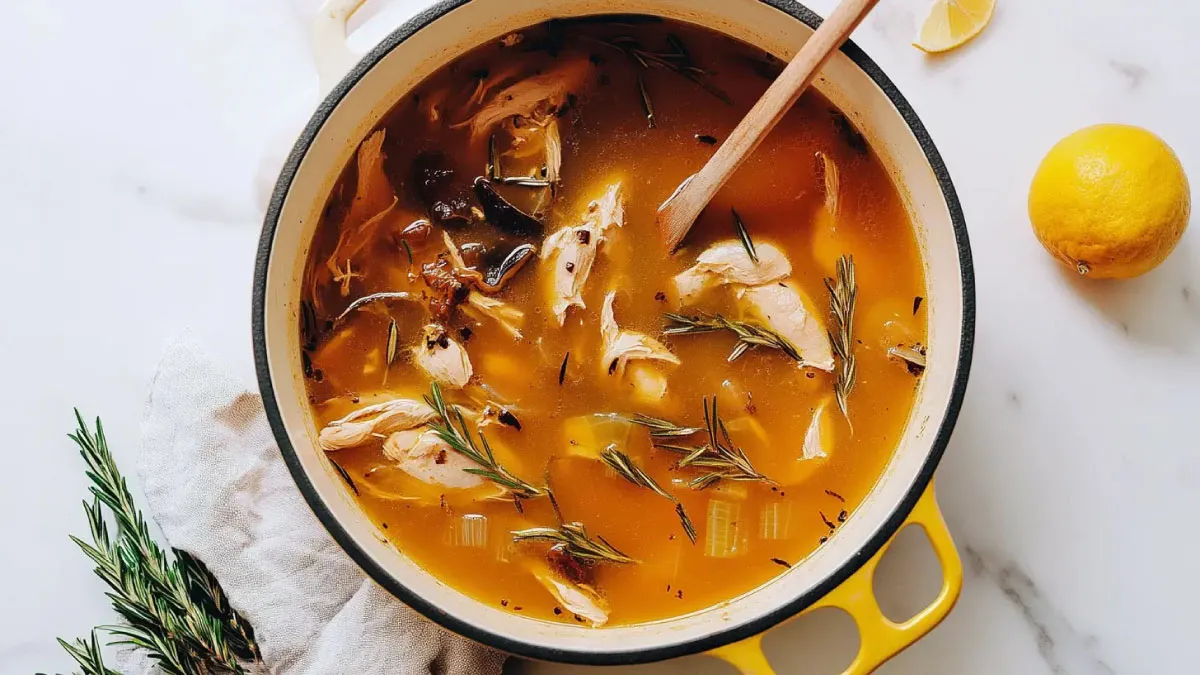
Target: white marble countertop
(130, 141)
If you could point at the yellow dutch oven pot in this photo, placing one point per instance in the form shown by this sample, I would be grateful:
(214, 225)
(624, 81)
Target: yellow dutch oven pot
(361, 88)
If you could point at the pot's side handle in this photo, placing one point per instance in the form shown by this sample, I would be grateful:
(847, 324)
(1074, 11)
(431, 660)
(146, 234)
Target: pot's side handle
(327, 38)
(881, 638)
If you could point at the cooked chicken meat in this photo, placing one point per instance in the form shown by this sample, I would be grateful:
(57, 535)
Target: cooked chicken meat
(783, 307)
(727, 262)
(623, 346)
(443, 359)
(422, 454)
(374, 421)
(571, 251)
(544, 94)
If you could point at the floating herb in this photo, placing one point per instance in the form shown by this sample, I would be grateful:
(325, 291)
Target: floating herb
(722, 459)
(689, 528)
(459, 438)
(917, 304)
(393, 341)
(647, 104)
(577, 543)
(749, 334)
(706, 139)
(407, 250)
(374, 297)
(843, 293)
(624, 466)
(345, 476)
(562, 370)
(660, 428)
(782, 563)
(744, 236)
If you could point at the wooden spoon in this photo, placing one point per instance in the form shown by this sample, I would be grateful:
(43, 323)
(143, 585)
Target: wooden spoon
(680, 211)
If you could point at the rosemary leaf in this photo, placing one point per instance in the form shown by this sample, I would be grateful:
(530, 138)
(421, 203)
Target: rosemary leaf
(393, 341)
(562, 370)
(459, 438)
(408, 250)
(624, 466)
(87, 654)
(843, 293)
(720, 457)
(647, 105)
(660, 428)
(577, 543)
(689, 528)
(740, 227)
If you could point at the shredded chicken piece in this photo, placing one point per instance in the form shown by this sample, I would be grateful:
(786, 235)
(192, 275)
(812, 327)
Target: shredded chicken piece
(833, 182)
(443, 359)
(577, 598)
(422, 454)
(505, 315)
(784, 308)
(553, 150)
(374, 420)
(547, 91)
(649, 384)
(571, 251)
(727, 262)
(623, 346)
(374, 201)
(817, 438)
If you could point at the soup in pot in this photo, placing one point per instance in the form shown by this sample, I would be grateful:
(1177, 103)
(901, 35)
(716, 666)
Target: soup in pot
(547, 410)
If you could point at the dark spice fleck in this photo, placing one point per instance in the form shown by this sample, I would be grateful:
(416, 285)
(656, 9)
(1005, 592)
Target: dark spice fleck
(612, 367)
(584, 237)
(706, 139)
(318, 375)
(781, 563)
(751, 409)
(579, 618)
(441, 457)
(383, 525)
(562, 370)
(660, 296)
(836, 496)
(570, 266)
(506, 417)
(504, 603)
(809, 374)
(824, 539)
(557, 611)
(345, 476)
(465, 333)
(518, 608)
(679, 594)
(841, 516)
(828, 523)
(355, 399)
(917, 304)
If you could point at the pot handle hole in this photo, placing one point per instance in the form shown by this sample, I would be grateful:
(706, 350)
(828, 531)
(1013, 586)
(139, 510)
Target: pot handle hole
(327, 38)
(881, 638)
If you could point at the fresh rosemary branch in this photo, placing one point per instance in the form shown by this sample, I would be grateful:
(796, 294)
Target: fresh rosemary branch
(842, 296)
(749, 334)
(165, 605)
(720, 457)
(676, 59)
(660, 428)
(87, 654)
(740, 227)
(459, 438)
(624, 466)
(578, 545)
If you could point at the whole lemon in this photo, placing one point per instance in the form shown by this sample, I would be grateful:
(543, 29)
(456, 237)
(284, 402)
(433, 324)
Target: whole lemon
(1110, 201)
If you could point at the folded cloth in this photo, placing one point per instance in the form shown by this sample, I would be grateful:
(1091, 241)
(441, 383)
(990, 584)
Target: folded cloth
(217, 486)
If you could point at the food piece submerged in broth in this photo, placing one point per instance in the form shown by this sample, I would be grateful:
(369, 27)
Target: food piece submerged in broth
(520, 387)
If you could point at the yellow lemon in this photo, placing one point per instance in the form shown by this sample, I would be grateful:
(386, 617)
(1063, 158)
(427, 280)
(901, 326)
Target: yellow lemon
(1110, 201)
(951, 23)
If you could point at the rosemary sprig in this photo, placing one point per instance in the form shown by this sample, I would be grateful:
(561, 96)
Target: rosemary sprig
(722, 459)
(660, 428)
(647, 104)
(87, 654)
(624, 466)
(577, 542)
(459, 438)
(393, 341)
(676, 59)
(843, 293)
(749, 334)
(188, 627)
(744, 235)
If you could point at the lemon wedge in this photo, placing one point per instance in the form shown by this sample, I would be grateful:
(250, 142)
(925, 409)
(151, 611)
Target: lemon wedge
(951, 23)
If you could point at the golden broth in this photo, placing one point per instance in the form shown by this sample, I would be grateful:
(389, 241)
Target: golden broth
(767, 401)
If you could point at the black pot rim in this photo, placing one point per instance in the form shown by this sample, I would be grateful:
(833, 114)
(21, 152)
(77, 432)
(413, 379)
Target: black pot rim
(697, 645)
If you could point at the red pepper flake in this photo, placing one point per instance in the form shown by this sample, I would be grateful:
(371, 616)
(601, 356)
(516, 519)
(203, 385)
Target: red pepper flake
(781, 563)
(660, 296)
(679, 594)
(441, 457)
(504, 603)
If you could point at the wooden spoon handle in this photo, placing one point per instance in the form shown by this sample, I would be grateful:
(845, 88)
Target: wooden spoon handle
(680, 211)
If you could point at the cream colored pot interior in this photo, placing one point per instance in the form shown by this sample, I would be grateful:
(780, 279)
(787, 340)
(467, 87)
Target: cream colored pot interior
(482, 20)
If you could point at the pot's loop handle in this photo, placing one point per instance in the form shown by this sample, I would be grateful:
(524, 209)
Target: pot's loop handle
(327, 38)
(881, 638)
